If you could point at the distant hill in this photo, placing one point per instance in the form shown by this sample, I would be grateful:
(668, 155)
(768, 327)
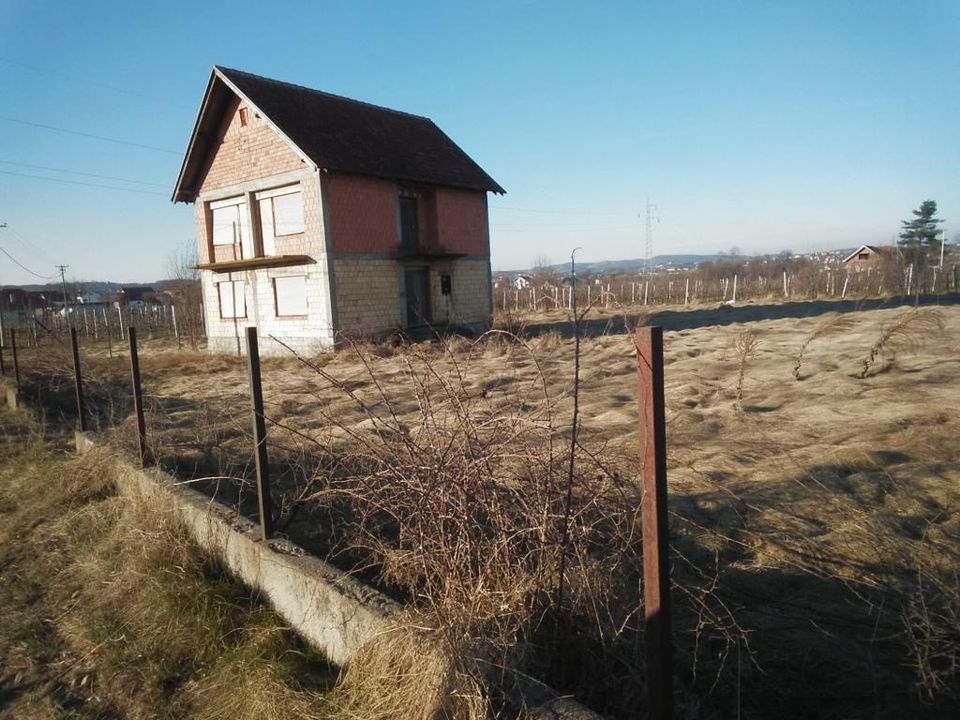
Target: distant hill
(624, 266)
(104, 287)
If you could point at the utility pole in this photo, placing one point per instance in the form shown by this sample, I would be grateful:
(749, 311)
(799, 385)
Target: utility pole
(651, 216)
(943, 242)
(63, 286)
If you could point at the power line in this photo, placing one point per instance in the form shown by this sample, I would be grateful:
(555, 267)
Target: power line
(87, 81)
(33, 249)
(24, 267)
(88, 135)
(555, 212)
(78, 172)
(79, 182)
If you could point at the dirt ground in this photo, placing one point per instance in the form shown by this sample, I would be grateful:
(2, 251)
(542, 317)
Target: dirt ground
(821, 508)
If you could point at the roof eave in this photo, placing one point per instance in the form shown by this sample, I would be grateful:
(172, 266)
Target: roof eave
(179, 194)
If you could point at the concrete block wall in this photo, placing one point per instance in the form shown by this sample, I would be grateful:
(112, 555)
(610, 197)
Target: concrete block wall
(469, 302)
(306, 334)
(369, 298)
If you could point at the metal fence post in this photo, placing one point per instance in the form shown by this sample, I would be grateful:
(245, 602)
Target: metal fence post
(259, 435)
(137, 395)
(656, 569)
(16, 363)
(78, 379)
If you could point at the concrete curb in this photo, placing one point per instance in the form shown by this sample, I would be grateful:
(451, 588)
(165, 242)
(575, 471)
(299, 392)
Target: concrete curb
(333, 611)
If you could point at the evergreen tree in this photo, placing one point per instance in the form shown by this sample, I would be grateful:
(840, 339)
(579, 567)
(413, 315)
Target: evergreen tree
(920, 236)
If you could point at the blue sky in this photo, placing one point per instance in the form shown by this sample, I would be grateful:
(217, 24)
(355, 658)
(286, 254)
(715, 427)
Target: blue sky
(761, 125)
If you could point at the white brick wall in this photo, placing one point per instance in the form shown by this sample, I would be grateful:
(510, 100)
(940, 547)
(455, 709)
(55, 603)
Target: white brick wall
(309, 334)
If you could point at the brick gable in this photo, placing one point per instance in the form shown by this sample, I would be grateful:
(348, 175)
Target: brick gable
(247, 153)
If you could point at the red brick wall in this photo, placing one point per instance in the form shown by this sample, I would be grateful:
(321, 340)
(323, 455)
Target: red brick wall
(248, 153)
(462, 221)
(363, 217)
(363, 214)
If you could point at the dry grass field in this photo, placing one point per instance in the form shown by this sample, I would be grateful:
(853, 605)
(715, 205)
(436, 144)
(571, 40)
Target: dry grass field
(814, 499)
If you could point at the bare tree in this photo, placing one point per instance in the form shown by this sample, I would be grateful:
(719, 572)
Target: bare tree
(186, 291)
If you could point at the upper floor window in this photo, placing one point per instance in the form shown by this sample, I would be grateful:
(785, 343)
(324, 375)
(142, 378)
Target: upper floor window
(409, 224)
(281, 214)
(231, 225)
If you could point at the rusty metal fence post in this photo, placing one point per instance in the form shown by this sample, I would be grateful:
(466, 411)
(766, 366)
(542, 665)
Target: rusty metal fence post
(78, 380)
(137, 395)
(656, 568)
(264, 500)
(16, 362)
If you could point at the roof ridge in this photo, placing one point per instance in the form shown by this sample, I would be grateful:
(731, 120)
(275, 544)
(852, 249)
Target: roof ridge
(226, 70)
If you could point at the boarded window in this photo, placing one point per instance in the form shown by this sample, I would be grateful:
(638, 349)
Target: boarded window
(291, 295)
(288, 214)
(230, 224)
(281, 213)
(233, 302)
(226, 225)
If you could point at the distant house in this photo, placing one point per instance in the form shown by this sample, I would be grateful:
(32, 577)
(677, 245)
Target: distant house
(869, 256)
(90, 297)
(136, 296)
(522, 282)
(14, 299)
(319, 216)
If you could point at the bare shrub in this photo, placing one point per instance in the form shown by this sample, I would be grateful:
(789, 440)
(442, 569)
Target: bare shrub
(469, 512)
(907, 333)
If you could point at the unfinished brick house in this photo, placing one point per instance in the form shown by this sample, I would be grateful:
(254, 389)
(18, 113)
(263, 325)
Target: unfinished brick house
(319, 217)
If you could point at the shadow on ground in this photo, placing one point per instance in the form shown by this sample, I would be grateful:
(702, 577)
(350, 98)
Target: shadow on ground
(822, 607)
(673, 320)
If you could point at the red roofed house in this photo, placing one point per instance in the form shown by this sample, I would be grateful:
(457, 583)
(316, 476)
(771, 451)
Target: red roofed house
(319, 217)
(869, 256)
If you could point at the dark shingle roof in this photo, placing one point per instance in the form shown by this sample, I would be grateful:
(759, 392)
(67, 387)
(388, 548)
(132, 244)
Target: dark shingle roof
(345, 135)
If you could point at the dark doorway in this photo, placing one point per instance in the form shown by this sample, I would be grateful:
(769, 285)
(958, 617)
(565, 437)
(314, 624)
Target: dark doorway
(409, 225)
(417, 283)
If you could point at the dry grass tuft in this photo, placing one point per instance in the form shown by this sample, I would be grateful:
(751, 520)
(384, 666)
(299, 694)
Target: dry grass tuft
(413, 673)
(931, 621)
(909, 332)
(831, 326)
(745, 348)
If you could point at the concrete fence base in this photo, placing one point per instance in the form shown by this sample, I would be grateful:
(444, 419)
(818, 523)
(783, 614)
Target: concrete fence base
(330, 609)
(333, 611)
